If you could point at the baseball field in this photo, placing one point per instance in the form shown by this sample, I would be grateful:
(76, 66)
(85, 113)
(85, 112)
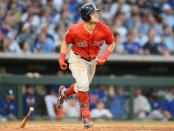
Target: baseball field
(98, 126)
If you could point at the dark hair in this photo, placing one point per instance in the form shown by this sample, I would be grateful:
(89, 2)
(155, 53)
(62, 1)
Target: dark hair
(130, 32)
(21, 44)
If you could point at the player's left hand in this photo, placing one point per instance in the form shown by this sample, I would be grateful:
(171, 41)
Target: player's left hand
(100, 60)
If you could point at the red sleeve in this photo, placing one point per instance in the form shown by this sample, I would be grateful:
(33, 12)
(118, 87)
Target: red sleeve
(68, 36)
(109, 36)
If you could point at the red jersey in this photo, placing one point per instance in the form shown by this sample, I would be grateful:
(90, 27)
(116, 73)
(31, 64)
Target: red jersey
(88, 44)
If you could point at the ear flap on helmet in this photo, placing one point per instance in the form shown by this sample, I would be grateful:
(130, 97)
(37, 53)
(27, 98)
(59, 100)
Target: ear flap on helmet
(86, 18)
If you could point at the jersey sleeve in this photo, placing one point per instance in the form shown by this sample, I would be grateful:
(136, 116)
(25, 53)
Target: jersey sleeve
(109, 36)
(69, 36)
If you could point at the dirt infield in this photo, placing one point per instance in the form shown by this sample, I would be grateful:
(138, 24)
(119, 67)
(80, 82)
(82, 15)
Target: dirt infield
(71, 126)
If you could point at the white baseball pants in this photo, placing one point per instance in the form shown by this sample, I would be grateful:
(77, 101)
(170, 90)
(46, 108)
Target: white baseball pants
(82, 70)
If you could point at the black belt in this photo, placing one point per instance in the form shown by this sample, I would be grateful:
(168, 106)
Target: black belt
(83, 57)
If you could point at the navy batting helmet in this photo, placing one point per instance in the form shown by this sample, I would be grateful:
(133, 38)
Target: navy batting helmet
(86, 10)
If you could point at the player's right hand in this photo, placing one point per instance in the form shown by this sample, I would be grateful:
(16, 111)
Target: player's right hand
(63, 65)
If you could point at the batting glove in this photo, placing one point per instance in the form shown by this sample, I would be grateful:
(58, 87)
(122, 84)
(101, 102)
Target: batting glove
(102, 59)
(62, 63)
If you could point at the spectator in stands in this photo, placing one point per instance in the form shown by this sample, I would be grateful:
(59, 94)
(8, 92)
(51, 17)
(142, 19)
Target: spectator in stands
(139, 38)
(1, 36)
(58, 36)
(4, 44)
(151, 23)
(109, 10)
(134, 20)
(171, 3)
(167, 105)
(8, 24)
(100, 112)
(131, 46)
(118, 27)
(29, 99)
(123, 8)
(44, 44)
(151, 47)
(154, 102)
(162, 47)
(168, 38)
(1, 41)
(9, 44)
(25, 47)
(71, 108)
(8, 108)
(102, 93)
(26, 35)
(65, 16)
(141, 105)
(153, 99)
(2, 14)
(27, 20)
(116, 103)
(168, 15)
(97, 94)
(119, 46)
(50, 101)
(57, 4)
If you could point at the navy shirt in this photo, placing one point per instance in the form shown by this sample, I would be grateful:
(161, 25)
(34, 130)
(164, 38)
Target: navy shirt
(168, 105)
(8, 108)
(28, 101)
(154, 104)
(132, 48)
(152, 48)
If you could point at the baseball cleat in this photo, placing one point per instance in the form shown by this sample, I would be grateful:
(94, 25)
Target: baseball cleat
(87, 123)
(61, 97)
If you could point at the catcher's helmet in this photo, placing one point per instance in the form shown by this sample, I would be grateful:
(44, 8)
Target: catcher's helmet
(86, 10)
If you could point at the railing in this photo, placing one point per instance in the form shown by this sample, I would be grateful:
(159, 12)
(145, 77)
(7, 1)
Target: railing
(129, 82)
(113, 57)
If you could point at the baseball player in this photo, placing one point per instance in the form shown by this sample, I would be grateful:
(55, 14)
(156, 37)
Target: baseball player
(86, 38)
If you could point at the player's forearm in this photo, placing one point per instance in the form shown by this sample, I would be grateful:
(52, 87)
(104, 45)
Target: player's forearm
(109, 50)
(61, 59)
(63, 48)
(111, 47)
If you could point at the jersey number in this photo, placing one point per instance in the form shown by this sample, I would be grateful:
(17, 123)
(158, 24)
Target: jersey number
(82, 44)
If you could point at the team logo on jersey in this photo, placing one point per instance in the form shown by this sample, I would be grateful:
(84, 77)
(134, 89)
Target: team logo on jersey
(98, 43)
(82, 44)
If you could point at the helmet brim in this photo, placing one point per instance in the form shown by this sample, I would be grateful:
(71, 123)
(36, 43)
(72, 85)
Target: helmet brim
(97, 10)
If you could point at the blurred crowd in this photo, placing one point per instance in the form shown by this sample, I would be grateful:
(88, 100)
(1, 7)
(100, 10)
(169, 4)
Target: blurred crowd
(106, 103)
(140, 26)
